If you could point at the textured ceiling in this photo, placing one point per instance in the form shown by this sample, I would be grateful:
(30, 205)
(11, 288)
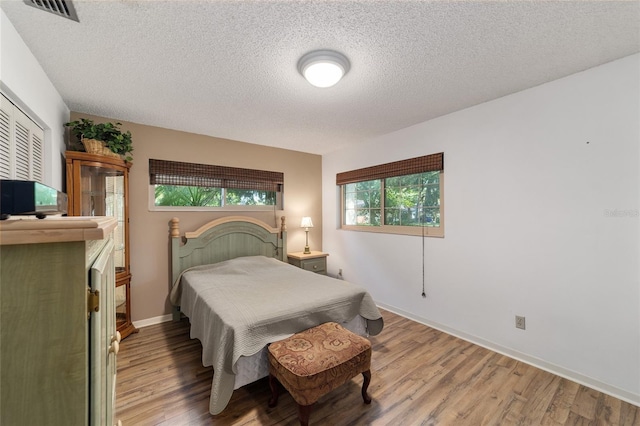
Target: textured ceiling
(228, 68)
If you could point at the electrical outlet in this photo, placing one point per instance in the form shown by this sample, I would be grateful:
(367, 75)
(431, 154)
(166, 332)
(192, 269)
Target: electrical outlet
(520, 322)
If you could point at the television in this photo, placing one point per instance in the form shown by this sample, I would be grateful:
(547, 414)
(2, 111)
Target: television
(25, 197)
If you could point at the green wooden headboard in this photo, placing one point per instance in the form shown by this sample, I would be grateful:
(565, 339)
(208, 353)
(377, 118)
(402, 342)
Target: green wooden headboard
(223, 239)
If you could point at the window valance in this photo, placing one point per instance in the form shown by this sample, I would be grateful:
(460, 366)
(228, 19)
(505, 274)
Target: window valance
(163, 172)
(427, 163)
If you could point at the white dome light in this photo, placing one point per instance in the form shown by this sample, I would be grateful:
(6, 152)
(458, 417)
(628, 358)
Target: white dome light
(323, 68)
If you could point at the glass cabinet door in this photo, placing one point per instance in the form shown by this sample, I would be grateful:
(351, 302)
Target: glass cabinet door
(103, 195)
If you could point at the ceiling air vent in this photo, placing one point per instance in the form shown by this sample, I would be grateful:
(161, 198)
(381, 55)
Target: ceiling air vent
(62, 8)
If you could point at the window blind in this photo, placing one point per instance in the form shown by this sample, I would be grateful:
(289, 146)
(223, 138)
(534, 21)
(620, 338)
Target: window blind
(427, 163)
(163, 172)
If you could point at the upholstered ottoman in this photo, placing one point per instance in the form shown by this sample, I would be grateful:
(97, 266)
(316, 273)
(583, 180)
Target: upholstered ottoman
(313, 362)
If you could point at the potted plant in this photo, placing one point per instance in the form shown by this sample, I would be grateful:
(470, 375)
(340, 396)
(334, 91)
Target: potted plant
(103, 138)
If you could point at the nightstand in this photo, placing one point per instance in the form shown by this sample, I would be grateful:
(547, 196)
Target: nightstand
(316, 261)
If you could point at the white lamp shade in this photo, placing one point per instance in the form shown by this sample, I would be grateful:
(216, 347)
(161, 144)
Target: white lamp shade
(323, 74)
(323, 68)
(306, 222)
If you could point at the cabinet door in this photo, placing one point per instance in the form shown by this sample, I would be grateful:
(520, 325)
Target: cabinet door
(43, 350)
(102, 193)
(103, 340)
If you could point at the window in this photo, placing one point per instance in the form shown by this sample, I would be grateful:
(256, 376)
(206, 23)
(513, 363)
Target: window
(206, 187)
(21, 144)
(404, 197)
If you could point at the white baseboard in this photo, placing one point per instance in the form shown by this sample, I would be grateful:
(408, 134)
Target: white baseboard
(152, 321)
(608, 389)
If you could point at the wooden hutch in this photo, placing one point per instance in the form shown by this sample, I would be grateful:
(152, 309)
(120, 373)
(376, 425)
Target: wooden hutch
(98, 185)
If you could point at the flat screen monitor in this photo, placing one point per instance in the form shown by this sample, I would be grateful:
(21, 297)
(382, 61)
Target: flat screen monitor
(25, 197)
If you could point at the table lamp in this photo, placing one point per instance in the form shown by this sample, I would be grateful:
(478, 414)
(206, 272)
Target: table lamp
(306, 224)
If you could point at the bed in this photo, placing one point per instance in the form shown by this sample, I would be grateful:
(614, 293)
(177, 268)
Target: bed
(232, 280)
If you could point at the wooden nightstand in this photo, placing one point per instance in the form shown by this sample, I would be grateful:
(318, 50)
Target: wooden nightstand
(316, 261)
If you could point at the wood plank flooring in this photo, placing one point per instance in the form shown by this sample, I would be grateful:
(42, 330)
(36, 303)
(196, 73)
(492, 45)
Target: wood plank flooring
(420, 376)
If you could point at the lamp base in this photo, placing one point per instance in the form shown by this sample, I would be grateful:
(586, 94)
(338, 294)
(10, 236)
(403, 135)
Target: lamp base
(306, 246)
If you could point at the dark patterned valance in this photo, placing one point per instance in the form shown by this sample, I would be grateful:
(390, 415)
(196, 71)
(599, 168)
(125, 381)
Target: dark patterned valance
(162, 172)
(427, 163)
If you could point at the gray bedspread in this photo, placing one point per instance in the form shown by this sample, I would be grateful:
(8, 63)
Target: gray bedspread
(238, 306)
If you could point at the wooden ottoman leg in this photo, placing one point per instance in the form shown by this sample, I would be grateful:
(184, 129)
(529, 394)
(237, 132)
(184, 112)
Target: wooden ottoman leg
(273, 384)
(304, 411)
(365, 386)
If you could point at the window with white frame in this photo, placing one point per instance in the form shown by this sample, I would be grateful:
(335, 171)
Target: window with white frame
(179, 185)
(21, 144)
(403, 197)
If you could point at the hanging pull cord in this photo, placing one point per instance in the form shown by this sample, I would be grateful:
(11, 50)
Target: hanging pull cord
(422, 199)
(424, 294)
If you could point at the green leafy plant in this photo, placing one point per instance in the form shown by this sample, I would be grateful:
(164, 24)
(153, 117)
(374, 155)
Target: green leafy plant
(109, 133)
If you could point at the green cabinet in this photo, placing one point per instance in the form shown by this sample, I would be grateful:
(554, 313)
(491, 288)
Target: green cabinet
(315, 261)
(57, 322)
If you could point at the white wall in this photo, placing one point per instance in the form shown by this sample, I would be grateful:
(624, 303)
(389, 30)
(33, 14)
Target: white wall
(531, 180)
(24, 81)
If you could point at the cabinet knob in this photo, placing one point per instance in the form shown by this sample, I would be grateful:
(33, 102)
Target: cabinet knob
(114, 348)
(315, 266)
(116, 338)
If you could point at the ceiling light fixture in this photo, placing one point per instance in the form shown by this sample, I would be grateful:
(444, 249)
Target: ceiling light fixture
(323, 68)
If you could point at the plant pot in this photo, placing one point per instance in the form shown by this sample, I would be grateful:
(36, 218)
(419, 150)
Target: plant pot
(94, 146)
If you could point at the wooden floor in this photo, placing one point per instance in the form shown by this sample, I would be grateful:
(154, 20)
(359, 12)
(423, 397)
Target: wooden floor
(420, 376)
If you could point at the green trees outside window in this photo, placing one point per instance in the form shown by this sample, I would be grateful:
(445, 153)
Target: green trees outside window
(411, 200)
(199, 196)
